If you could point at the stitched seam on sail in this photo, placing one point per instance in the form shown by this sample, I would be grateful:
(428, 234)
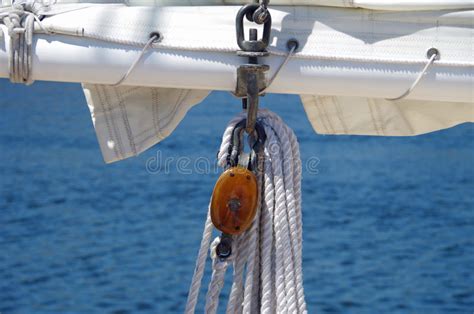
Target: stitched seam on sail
(173, 109)
(144, 140)
(144, 132)
(339, 114)
(403, 117)
(156, 116)
(184, 93)
(126, 123)
(380, 118)
(117, 134)
(326, 116)
(369, 104)
(322, 122)
(98, 92)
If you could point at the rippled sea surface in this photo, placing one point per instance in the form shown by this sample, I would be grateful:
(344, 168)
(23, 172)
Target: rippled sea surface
(388, 222)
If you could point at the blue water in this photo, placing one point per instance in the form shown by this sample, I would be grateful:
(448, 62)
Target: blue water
(388, 222)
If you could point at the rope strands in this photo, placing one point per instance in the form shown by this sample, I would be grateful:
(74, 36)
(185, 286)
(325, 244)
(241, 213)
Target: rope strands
(267, 258)
(19, 19)
(20, 25)
(200, 264)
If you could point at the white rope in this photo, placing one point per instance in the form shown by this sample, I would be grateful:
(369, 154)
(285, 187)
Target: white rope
(267, 258)
(216, 48)
(274, 51)
(285, 61)
(235, 302)
(200, 264)
(219, 267)
(20, 25)
(418, 79)
(150, 41)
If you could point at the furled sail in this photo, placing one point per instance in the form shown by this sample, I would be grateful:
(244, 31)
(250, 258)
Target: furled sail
(375, 116)
(130, 119)
(400, 5)
(352, 57)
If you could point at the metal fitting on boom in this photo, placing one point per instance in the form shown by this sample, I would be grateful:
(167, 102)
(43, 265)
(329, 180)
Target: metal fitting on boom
(251, 76)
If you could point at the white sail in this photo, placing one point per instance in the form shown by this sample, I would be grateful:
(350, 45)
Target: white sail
(399, 5)
(129, 120)
(348, 63)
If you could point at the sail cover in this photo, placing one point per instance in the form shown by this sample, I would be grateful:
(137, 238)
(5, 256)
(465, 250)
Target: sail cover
(350, 61)
(130, 119)
(373, 116)
(399, 5)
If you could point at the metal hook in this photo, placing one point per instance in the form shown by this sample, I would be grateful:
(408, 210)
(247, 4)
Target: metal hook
(256, 140)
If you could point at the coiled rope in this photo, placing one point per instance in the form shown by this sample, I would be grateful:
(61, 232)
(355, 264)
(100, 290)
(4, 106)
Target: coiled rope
(267, 258)
(20, 22)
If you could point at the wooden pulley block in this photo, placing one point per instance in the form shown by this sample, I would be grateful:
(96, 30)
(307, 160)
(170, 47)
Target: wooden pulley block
(234, 200)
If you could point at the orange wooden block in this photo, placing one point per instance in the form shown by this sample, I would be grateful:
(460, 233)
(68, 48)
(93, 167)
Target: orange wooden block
(234, 200)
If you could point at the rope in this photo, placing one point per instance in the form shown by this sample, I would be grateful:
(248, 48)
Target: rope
(150, 41)
(219, 268)
(285, 61)
(418, 79)
(20, 25)
(267, 258)
(229, 49)
(200, 264)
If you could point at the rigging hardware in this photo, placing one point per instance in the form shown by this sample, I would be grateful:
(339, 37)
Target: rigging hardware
(252, 45)
(224, 248)
(261, 15)
(235, 197)
(251, 76)
(234, 200)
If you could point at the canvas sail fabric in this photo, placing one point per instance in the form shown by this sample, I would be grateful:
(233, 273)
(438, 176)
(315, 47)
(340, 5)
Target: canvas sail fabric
(129, 119)
(343, 43)
(398, 5)
(369, 116)
(323, 33)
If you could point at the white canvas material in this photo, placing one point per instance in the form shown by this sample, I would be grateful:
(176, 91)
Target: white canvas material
(357, 57)
(129, 120)
(343, 52)
(324, 33)
(398, 5)
(328, 35)
(368, 116)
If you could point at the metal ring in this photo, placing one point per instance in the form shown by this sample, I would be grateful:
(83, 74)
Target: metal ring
(260, 15)
(252, 45)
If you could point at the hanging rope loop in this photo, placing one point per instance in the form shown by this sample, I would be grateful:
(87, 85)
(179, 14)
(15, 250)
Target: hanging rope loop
(153, 38)
(432, 54)
(267, 258)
